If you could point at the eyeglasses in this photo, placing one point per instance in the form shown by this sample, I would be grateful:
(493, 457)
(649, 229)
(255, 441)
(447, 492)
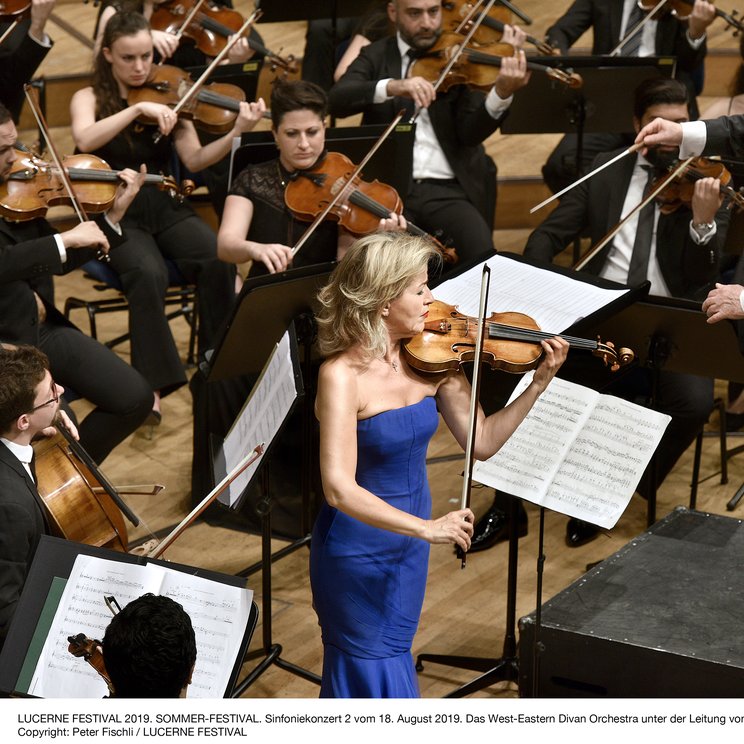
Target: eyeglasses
(53, 399)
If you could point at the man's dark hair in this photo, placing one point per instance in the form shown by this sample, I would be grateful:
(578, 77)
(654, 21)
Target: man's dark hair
(149, 648)
(5, 115)
(657, 91)
(295, 95)
(22, 368)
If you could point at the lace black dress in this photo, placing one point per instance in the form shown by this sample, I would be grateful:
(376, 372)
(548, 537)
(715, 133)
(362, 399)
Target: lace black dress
(263, 184)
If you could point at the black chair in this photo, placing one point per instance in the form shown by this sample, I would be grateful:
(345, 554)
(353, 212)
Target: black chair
(180, 294)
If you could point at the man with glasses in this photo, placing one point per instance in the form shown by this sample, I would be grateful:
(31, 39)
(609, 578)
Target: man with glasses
(30, 254)
(29, 406)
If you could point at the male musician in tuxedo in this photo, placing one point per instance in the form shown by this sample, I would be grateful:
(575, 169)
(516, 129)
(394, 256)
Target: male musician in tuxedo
(610, 22)
(29, 405)
(681, 259)
(453, 187)
(30, 253)
(22, 51)
(149, 649)
(725, 137)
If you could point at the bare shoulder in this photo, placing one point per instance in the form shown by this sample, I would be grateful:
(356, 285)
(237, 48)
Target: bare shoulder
(83, 96)
(338, 384)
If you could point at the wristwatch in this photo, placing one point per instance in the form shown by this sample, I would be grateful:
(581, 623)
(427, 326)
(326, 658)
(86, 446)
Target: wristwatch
(703, 228)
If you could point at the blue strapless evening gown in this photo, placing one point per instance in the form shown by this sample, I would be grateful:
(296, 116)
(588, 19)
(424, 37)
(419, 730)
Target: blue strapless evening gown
(368, 584)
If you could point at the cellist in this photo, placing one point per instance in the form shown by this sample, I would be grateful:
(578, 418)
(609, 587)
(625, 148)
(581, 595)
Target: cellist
(29, 405)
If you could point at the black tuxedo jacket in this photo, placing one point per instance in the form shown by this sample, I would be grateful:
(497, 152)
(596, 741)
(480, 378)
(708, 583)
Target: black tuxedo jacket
(687, 268)
(605, 17)
(459, 118)
(22, 523)
(725, 137)
(18, 63)
(28, 259)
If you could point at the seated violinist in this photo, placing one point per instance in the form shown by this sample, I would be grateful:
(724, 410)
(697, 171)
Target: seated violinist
(149, 649)
(30, 254)
(159, 226)
(257, 225)
(29, 406)
(677, 252)
(453, 188)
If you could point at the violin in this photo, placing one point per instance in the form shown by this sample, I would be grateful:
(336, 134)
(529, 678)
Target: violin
(511, 342)
(475, 67)
(81, 503)
(90, 650)
(457, 15)
(679, 191)
(210, 28)
(683, 8)
(213, 109)
(34, 185)
(359, 210)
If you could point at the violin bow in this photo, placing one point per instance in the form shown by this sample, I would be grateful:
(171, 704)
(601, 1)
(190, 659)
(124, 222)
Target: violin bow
(44, 129)
(190, 17)
(8, 31)
(254, 16)
(246, 462)
(649, 197)
(649, 17)
(342, 192)
(558, 194)
(474, 26)
(467, 478)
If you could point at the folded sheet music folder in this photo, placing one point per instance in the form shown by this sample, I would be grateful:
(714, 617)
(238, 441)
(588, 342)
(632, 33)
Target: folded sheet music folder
(207, 596)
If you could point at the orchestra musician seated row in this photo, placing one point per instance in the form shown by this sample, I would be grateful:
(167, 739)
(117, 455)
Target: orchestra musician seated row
(158, 226)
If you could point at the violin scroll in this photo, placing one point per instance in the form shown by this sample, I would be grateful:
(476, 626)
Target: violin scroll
(613, 358)
(91, 651)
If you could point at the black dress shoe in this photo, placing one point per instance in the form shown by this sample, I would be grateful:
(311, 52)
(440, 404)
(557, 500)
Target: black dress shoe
(579, 532)
(493, 527)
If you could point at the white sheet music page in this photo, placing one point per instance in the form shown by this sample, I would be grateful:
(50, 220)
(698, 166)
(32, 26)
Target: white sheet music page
(555, 301)
(219, 614)
(262, 415)
(576, 452)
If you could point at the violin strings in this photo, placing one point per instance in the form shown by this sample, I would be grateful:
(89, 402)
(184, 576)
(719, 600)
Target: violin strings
(514, 333)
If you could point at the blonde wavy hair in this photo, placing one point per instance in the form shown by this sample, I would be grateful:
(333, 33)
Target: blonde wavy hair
(374, 271)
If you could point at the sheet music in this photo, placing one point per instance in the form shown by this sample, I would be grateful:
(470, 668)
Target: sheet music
(262, 415)
(555, 301)
(219, 614)
(576, 452)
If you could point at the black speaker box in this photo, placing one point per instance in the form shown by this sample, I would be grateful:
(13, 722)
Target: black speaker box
(662, 617)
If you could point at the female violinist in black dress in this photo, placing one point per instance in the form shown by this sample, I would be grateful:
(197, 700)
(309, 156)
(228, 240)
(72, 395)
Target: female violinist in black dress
(159, 226)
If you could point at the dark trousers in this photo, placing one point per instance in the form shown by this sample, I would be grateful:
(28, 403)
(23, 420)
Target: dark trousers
(443, 210)
(121, 396)
(140, 262)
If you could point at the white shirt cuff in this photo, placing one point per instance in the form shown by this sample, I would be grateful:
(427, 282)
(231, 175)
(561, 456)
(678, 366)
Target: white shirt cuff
(496, 105)
(381, 94)
(45, 41)
(694, 136)
(705, 239)
(61, 248)
(116, 227)
(695, 43)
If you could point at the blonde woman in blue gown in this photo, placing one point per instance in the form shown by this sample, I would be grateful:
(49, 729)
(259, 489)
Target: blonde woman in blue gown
(370, 544)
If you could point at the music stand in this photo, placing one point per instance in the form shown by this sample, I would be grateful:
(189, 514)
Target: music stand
(392, 164)
(51, 567)
(506, 667)
(674, 335)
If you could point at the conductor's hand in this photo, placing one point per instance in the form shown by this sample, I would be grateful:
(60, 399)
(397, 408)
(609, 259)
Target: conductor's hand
(724, 303)
(660, 132)
(417, 88)
(555, 351)
(455, 527)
